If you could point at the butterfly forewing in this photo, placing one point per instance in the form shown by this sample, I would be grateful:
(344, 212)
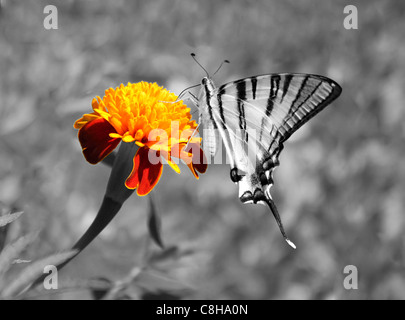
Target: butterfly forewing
(285, 100)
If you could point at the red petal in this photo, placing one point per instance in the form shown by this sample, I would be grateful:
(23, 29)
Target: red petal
(144, 175)
(95, 140)
(198, 160)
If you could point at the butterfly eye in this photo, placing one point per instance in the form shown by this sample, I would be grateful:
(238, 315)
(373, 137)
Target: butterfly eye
(204, 81)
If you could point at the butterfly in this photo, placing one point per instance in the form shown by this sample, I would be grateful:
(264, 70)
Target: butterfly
(255, 116)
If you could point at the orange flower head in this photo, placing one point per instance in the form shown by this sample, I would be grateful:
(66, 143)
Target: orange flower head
(149, 116)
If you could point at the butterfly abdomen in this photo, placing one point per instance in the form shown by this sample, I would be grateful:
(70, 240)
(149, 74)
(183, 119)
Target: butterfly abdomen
(210, 138)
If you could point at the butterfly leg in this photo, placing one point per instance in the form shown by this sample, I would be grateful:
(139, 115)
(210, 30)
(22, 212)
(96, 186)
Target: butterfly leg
(192, 135)
(192, 97)
(184, 96)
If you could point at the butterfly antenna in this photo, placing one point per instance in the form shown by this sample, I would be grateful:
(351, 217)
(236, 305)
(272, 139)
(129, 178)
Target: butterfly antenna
(195, 59)
(274, 211)
(220, 66)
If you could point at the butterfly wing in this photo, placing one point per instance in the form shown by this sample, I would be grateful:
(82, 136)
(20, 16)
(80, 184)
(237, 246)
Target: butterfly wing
(255, 116)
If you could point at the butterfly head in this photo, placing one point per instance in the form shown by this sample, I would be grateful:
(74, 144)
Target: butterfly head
(208, 85)
(206, 82)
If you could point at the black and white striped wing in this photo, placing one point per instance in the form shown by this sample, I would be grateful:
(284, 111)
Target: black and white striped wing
(256, 115)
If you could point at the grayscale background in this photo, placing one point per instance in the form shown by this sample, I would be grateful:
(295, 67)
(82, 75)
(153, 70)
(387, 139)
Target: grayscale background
(340, 187)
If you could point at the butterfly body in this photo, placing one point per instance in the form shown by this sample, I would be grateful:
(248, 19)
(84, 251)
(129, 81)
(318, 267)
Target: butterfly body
(254, 116)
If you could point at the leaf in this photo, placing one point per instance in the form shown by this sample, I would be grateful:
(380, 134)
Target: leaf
(8, 218)
(170, 253)
(155, 281)
(69, 285)
(12, 251)
(155, 223)
(32, 272)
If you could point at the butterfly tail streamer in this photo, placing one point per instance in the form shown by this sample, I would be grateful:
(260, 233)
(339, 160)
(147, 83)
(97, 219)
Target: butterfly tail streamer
(276, 215)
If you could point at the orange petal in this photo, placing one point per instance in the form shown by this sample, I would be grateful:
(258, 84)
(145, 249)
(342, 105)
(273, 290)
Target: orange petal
(95, 140)
(144, 175)
(169, 160)
(85, 119)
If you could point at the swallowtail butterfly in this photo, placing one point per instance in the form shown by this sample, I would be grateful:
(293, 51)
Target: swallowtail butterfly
(259, 113)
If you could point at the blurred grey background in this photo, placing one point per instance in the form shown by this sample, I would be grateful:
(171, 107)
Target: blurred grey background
(339, 189)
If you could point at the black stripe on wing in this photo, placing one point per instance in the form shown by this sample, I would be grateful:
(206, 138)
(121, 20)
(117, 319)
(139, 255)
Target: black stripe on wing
(274, 86)
(286, 85)
(298, 95)
(253, 80)
(241, 97)
(221, 111)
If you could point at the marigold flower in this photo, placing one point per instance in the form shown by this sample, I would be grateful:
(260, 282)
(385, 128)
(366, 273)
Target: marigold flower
(149, 116)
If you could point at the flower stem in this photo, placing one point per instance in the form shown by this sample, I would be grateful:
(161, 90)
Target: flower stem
(116, 194)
